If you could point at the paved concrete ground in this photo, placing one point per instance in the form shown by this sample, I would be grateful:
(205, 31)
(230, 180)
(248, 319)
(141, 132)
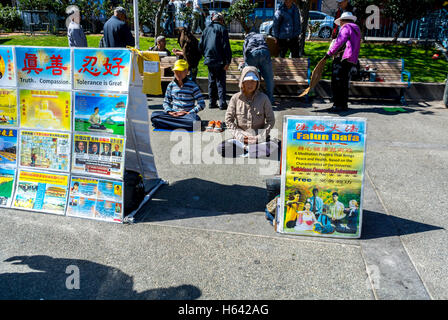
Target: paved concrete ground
(204, 236)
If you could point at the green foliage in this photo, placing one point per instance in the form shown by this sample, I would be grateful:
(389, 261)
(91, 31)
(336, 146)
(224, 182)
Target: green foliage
(186, 15)
(56, 6)
(147, 11)
(240, 11)
(417, 59)
(10, 18)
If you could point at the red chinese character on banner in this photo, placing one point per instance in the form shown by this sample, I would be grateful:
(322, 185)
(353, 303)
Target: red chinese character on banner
(30, 63)
(334, 128)
(90, 61)
(320, 127)
(109, 67)
(351, 128)
(56, 65)
(301, 127)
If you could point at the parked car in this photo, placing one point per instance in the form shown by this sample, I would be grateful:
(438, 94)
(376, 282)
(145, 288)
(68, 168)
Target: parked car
(315, 17)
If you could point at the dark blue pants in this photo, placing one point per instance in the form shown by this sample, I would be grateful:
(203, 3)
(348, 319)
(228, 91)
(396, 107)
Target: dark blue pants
(162, 120)
(217, 85)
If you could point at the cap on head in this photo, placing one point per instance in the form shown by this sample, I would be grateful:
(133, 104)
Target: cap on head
(250, 76)
(180, 65)
(160, 38)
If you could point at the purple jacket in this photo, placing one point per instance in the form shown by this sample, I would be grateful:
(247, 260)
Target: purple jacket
(350, 35)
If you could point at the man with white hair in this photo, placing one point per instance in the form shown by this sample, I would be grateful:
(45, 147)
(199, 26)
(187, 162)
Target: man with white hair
(75, 33)
(116, 31)
(160, 45)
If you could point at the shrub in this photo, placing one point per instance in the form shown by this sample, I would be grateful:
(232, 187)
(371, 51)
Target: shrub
(10, 18)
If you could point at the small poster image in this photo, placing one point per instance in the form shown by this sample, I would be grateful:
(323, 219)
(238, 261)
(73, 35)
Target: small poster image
(44, 192)
(108, 210)
(43, 109)
(7, 178)
(8, 108)
(96, 199)
(322, 176)
(46, 150)
(39, 67)
(98, 155)
(100, 113)
(7, 65)
(109, 189)
(8, 147)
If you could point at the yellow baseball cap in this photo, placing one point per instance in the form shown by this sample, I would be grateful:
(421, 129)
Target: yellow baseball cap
(180, 65)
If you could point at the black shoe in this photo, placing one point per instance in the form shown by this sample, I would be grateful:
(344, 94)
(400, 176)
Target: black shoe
(213, 105)
(223, 106)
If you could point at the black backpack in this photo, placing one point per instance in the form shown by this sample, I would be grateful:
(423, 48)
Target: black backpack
(134, 191)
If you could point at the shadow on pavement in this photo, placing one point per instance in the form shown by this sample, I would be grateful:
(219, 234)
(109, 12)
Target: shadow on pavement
(96, 281)
(380, 225)
(209, 197)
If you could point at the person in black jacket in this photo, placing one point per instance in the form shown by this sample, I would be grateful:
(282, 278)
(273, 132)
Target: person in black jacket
(116, 31)
(215, 47)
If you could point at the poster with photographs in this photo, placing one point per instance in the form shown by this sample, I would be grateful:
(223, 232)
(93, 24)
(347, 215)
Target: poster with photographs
(322, 176)
(7, 178)
(43, 192)
(96, 199)
(8, 108)
(8, 148)
(45, 150)
(98, 155)
(100, 113)
(43, 109)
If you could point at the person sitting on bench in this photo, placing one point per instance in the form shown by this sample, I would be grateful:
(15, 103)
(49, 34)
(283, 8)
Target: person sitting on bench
(250, 118)
(179, 107)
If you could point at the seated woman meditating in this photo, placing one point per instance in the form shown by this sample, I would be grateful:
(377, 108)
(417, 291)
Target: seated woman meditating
(249, 118)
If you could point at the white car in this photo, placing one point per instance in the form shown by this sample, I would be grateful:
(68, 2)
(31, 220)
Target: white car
(325, 24)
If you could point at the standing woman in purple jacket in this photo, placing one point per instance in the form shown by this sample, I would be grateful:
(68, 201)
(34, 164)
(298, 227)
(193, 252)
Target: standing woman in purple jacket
(345, 52)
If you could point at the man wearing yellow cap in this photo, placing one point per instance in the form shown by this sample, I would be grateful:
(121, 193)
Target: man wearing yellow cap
(180, 111)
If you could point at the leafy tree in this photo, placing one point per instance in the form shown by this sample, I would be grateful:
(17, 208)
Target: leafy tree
(240, 11)
(10, 18)
(402, 12)
(147, 11)
(158, 20)
(186, 15)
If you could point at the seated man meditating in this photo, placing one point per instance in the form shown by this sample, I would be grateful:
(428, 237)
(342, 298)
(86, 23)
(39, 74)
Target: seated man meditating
(179, 107)
(250, 118)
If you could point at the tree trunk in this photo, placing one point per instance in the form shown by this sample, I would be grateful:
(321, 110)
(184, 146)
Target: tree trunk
(157, 26)
(399, 30)
(305, 17)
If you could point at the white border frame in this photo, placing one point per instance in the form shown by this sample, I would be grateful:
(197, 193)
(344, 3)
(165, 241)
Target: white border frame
(280, 216)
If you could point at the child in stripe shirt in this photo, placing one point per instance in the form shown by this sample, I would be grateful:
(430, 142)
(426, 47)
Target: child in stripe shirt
(180, 111)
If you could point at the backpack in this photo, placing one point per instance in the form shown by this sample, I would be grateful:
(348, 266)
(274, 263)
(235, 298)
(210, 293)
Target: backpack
(134, 191)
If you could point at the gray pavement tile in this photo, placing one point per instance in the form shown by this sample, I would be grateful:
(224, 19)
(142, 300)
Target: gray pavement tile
(162, 262)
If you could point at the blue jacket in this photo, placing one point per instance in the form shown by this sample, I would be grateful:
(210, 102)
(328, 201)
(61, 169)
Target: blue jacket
(215, 45)
(287, 23)
(117, 34)
(254, 41)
